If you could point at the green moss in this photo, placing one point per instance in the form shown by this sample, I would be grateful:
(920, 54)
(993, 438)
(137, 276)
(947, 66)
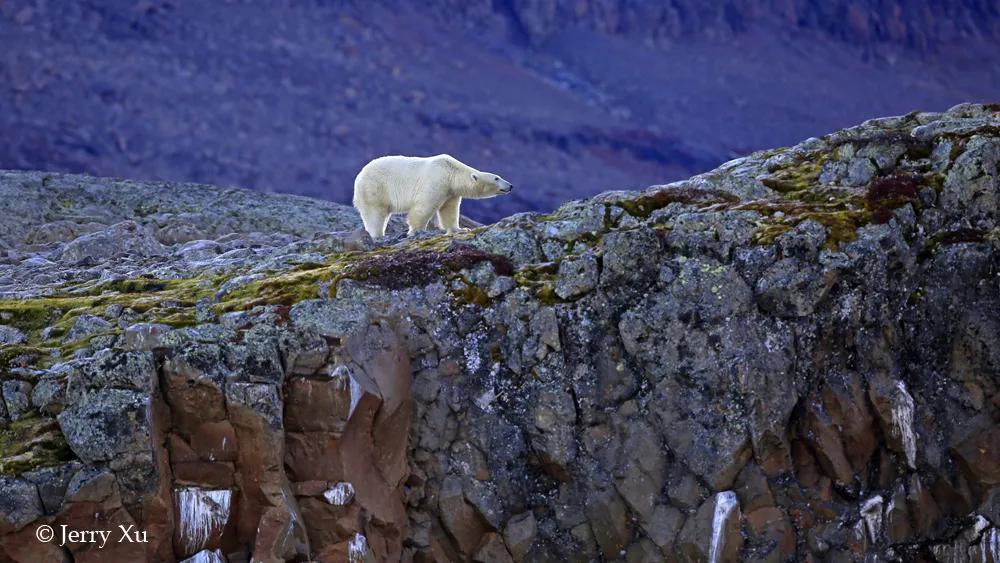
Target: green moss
(178, 319)
(841, 226)
(841, 210)
(280, 289)
(172, 301)
(144, 210)
(916, 296)
(472, 294)
(768, 232)
(607, 222)
(935, 180)
(10, 353)
(546, 294)
(30, 443)
(540, 279)
(645, 204)
(800, 176)
(138, 285)
(33, 314)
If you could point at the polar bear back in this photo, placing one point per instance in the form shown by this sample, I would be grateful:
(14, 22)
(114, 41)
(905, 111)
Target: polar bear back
(396, 183)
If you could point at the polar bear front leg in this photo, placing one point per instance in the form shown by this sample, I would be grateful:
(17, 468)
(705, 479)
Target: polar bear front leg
(418, 217)
(449, 214)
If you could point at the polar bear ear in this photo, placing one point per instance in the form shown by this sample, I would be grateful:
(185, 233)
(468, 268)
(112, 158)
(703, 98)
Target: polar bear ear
(474, 177)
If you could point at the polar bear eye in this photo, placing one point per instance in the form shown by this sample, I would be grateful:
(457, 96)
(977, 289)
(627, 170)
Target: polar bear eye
(496, 178)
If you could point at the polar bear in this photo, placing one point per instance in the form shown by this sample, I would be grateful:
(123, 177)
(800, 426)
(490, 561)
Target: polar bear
(421, 187)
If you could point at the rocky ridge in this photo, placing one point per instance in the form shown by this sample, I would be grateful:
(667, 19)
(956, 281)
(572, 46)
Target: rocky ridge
(792, 357)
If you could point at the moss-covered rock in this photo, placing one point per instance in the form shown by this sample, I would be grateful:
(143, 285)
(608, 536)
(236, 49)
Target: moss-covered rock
(30, 443)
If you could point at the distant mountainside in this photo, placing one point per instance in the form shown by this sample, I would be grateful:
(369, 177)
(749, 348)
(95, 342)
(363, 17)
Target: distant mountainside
(919, 24)
(566, 99)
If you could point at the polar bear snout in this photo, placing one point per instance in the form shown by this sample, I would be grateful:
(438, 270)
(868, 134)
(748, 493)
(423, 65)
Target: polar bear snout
(503, 187)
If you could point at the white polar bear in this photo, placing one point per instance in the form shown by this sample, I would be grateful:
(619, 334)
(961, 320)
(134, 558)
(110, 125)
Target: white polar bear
(421, 187)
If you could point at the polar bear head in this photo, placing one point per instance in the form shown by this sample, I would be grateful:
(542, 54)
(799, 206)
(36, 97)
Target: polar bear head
(486, 184)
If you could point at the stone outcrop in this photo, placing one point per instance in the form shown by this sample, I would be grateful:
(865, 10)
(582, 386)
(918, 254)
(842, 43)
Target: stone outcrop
(792, 357)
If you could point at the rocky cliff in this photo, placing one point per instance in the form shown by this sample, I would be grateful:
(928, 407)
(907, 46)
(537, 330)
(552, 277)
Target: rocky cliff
(792, 357)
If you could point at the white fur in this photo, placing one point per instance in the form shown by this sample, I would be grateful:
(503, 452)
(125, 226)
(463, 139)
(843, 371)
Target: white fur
(421, 187)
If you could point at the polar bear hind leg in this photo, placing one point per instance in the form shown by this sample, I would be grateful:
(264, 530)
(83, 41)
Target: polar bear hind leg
(375, 220)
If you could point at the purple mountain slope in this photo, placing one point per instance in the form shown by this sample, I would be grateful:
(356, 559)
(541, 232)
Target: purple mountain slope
(565, 99)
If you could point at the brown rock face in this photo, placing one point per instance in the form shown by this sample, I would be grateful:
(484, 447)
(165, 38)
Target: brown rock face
(235, 473)
(350, 432)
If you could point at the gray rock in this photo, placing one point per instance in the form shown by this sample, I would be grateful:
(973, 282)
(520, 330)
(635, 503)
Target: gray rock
(834, 172)
(860, 171)
(19, 503)
(262, 399)
(106, 424)
(630, 256)
(609, 520)
(49, 393)
(518, 246)
(577, 276)
(90, 484)
(61, 231)
(553, 418)
(257, 359)
(114, 310)
(235, 283)
(10, 335)
(803, 241)
(52, 483)
(145, 336)
(121, 239)
(972, 187)
(663, 525)
(791, 288)
(115, 368)
(177, 232)
(519, 535)
(198, 250)
(952, 126)
(329, 317)
(17, 397)
(574, 221)
(86, 325)
(226, 210)
(686, 357)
